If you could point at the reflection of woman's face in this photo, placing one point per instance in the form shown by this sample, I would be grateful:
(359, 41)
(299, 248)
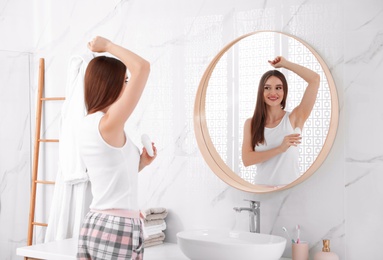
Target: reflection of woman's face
(273, 91)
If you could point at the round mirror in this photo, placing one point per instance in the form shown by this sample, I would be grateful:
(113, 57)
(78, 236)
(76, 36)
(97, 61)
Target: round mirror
(227, 95)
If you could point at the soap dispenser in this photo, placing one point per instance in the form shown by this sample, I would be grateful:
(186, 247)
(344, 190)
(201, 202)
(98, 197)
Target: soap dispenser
(326, 254)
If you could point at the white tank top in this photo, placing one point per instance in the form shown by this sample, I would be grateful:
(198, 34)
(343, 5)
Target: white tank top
(113, 171)
(283, 168)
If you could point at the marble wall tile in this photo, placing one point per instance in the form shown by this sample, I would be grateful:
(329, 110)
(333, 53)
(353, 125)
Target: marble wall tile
(363, 121)
(364, 210)
(15, 151)
(17, 25)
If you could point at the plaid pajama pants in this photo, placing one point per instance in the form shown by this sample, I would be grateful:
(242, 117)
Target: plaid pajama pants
(104, 237)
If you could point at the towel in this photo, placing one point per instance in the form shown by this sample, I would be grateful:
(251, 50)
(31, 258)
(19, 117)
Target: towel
(148, 223)
(71, 195)
(155, 213)
(72, 113)
(69, 206)
(152, 230)
(154, 221)
(153, 243)
(155, 239)
(158, 210)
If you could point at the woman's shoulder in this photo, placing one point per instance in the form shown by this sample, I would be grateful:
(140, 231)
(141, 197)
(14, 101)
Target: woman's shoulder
(248, 121)
(247, 124)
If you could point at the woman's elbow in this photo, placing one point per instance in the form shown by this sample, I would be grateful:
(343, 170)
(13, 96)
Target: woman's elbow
(316, 80)
(245, 161)
(145, 66)
(246, 164)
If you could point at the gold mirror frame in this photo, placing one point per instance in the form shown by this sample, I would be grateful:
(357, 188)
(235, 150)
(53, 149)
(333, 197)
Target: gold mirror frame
(212, 157)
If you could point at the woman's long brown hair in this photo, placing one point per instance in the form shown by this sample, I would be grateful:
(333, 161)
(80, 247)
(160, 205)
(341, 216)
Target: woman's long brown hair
(104, 79)
(258, 120)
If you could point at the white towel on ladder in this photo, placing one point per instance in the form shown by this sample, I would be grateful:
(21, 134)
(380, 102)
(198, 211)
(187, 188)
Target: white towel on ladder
(71, 198)
(72, 113)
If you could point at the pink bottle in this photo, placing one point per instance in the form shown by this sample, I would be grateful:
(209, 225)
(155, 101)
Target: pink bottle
(326, 254)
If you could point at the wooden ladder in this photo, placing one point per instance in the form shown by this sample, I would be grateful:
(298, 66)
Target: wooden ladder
(38, 140)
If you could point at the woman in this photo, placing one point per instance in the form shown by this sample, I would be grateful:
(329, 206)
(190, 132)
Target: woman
(271, 136)
(112, 228)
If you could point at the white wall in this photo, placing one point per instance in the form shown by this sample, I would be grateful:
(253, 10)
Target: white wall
(15, 150)
(340, 201)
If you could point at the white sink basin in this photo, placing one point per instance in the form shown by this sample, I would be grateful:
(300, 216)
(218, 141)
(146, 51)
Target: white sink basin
(212, 244)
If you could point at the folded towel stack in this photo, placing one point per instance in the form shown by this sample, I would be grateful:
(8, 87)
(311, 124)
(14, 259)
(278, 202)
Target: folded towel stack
(154, 226)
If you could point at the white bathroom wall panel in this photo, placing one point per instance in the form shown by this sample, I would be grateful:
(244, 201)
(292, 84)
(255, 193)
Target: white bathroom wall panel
(15, 151)
(340, 201)
(363, 120)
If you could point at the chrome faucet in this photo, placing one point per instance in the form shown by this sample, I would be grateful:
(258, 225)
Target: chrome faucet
(254, 215)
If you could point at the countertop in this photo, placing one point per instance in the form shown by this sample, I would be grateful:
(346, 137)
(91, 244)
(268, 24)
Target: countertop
(66, 250)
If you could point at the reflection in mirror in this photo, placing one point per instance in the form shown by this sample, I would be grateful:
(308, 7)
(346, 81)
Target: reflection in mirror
(232, 91)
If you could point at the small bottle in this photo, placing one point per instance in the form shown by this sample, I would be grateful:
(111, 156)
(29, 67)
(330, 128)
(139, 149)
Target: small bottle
(326, 254)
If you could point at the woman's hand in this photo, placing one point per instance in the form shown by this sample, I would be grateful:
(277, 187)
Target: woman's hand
(290, 140)
(99, 44)
(145, 158)
(278, 62)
